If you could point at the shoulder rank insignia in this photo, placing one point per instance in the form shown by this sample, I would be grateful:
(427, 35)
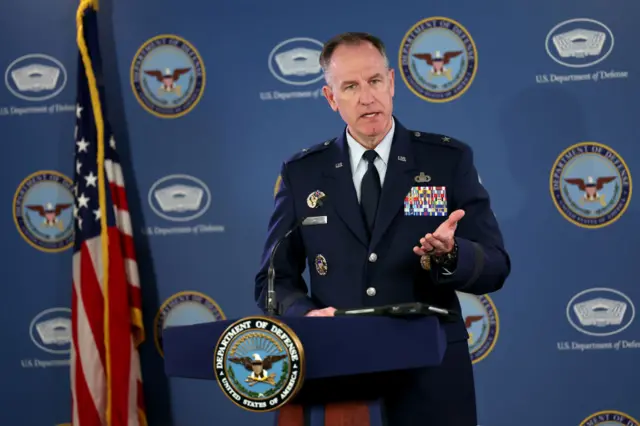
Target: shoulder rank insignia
(311, 150)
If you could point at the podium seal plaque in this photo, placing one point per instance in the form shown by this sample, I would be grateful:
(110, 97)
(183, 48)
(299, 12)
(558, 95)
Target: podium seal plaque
(259, 363)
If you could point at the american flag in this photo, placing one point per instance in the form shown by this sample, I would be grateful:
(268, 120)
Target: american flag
(106, 381)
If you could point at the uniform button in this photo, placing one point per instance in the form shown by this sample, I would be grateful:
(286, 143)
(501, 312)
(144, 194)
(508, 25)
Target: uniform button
(373, 257)
(371, 291)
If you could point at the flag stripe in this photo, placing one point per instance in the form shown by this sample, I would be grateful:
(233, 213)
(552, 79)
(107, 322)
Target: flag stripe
(83, 407)
(124, 221)
(132, 274)
(87, 401)
(114, 173)
(89, 291)
(120, 337)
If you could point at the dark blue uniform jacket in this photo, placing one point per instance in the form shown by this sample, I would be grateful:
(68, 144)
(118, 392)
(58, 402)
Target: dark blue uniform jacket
(363, 272)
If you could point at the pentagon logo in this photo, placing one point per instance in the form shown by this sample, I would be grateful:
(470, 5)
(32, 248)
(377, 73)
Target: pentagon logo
(600, 311)
(50, 331)
(295, 61)
(579, 43)
(35, 77)
(179, 198)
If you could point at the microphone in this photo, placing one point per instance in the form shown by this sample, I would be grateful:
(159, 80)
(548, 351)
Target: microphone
(271, 275)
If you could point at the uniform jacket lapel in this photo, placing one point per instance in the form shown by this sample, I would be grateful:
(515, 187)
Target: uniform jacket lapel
(341, 193)
(397, 182)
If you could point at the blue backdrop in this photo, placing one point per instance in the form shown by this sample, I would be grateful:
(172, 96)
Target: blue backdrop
(545, 93)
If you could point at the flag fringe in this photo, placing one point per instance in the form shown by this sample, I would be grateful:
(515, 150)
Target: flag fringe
(104, 237)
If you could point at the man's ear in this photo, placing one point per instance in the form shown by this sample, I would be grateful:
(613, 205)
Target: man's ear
(329, 95)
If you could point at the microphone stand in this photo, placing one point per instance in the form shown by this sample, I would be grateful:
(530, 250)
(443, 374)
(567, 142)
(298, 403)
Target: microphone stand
(271, 272)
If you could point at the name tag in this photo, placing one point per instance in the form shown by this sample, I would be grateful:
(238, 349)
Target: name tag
(315, 220)
(426, 201)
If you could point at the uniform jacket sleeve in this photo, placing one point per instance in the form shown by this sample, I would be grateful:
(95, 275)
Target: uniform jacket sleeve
(289, 262)
(483, 263)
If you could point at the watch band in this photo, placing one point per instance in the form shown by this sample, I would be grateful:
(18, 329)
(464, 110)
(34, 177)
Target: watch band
(447, 259)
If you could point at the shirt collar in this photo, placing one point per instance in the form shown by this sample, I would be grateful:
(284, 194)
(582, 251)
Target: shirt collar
(383, 149)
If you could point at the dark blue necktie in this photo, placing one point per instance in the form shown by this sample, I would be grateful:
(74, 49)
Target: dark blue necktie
(370, 190)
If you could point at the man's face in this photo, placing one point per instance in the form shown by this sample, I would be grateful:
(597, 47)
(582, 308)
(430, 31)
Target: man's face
(361, 88)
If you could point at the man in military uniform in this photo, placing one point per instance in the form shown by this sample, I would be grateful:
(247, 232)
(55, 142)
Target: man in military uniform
(407, 221)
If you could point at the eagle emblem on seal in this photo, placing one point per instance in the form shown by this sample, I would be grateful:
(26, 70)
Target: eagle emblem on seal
(259, 368)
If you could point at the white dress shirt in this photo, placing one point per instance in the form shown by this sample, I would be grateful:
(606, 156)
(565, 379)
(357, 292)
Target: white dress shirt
(359, 164)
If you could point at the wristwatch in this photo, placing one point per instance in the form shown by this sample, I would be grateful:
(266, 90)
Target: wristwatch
(447, 260)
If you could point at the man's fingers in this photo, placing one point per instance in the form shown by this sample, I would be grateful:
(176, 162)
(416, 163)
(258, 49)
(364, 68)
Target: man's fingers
(438, 244)
(420, 252)
(425, 244)
(326, 312)
(442, 236)
(454, 217)
(441, 240)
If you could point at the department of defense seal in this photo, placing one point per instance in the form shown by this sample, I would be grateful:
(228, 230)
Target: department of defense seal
(43, 211)
(590, 185)
(609, 418)
(168, 76)
(483, 325)
(438, 59)
(259, 363)
(185, 308)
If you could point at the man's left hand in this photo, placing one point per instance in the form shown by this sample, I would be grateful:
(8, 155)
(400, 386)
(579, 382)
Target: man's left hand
(441, 241)
(326, 312)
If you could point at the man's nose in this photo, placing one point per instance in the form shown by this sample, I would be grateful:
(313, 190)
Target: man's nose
(366, 97)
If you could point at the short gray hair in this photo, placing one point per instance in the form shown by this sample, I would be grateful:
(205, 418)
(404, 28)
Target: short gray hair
(352, 39)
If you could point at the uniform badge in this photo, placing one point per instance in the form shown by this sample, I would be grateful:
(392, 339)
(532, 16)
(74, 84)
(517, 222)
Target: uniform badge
(321, 265)
(312, 199)
(425, 262)
(426, 201)
(422, 178)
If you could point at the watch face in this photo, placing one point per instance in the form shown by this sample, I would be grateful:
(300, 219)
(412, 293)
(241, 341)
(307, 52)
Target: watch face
(440, 259)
